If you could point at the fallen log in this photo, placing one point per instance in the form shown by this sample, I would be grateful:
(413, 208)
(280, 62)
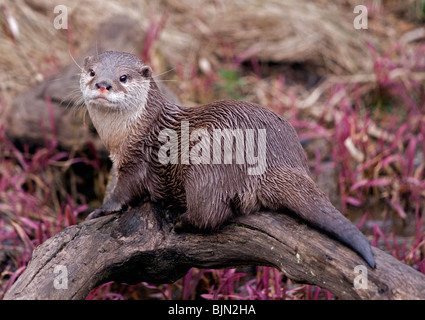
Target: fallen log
(141, 245)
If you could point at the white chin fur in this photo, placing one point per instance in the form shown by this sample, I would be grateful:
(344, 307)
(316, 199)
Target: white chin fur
(116, 117)
(114, 120)
(111, 100)
(101, 103)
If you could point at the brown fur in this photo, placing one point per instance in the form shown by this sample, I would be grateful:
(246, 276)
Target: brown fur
(210, 194)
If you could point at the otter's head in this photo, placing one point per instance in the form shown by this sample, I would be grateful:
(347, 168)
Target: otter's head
(115, 87)
(115, 81)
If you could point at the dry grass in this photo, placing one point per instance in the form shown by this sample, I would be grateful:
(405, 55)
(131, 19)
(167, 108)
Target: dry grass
(276, 31)
(272, 31)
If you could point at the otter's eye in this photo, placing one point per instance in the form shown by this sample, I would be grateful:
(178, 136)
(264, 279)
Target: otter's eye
(123, 78)
(92, 73)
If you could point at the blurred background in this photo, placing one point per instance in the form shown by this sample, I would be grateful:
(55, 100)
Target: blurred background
(355, 95)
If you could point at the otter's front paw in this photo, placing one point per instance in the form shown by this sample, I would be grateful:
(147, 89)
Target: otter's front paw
(110, 207)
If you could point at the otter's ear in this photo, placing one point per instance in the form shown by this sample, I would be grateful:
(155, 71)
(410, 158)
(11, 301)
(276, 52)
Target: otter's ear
(87, 61)
(146, 71)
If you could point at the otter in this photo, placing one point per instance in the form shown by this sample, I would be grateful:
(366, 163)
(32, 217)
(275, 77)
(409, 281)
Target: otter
(209, 162)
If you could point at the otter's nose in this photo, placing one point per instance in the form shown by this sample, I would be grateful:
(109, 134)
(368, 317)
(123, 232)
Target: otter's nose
(103, 86)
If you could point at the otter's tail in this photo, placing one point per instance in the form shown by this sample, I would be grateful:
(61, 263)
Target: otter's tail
(295, 190)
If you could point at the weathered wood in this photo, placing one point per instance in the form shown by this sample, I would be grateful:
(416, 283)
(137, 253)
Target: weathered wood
(141, 245)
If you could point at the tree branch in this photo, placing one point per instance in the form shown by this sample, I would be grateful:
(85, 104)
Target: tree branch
(140, 245)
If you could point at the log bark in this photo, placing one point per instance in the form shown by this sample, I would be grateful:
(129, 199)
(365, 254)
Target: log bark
(141, 245)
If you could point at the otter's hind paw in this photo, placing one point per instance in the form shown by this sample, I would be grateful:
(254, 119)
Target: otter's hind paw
(110, 207)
